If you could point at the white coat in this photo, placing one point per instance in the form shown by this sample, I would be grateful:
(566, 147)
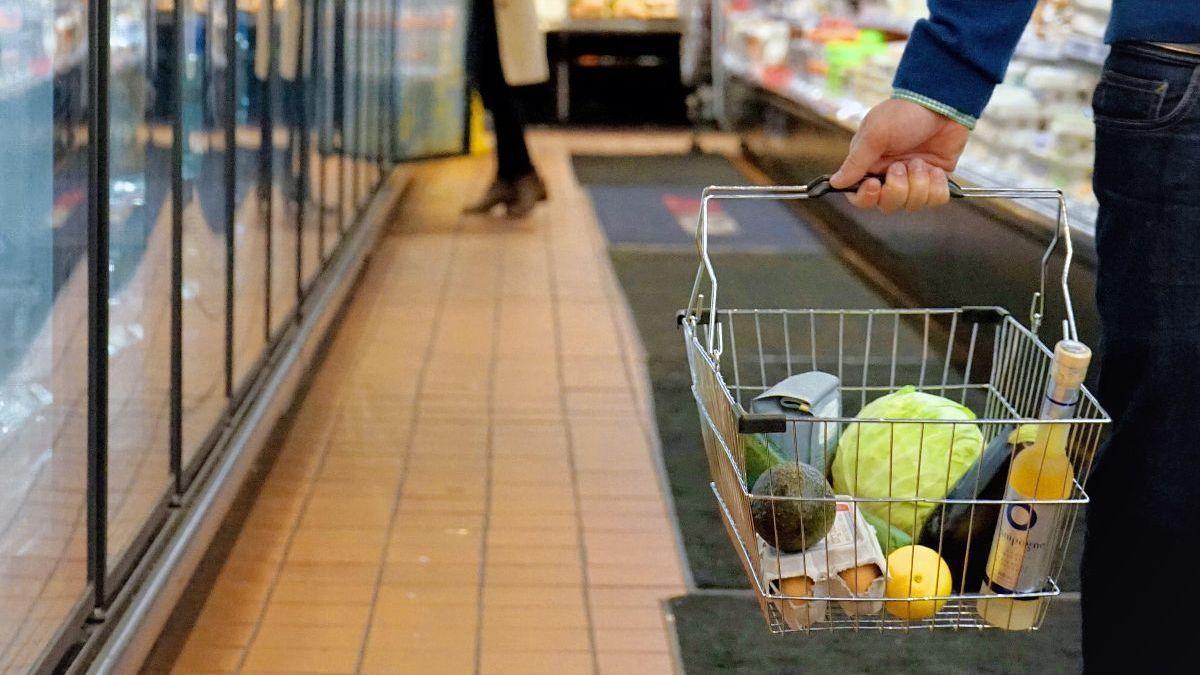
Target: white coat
(522, 44)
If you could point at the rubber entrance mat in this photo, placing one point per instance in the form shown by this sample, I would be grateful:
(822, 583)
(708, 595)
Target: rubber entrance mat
(654, 202)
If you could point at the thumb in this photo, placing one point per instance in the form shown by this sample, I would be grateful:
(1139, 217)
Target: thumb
(864, 152)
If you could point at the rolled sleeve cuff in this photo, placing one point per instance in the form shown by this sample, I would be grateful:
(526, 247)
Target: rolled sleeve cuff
(936, 106)
(937, 74)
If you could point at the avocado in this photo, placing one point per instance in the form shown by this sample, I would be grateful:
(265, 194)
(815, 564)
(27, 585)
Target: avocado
(793, 525)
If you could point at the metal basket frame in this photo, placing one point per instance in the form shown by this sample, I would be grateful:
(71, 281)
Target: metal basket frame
(1005, 384)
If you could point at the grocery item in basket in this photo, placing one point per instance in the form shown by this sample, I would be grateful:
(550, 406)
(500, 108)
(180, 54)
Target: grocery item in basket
(890, 538)
(847, 565)
(884, 460)
(803, 518)
(801, 398)
(859, 579)
(1024, 545)
(800, 613)
(761, 454)
(962, 531)
(916, 572)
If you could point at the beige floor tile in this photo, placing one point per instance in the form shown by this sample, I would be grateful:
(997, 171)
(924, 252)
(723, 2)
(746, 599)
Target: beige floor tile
(536, 663)
(533, 555)
(565, 573)
(424, 573)
(325, 593)
(306, 614)
(206, 659)
(536, 639)
(532, 596)
(624, 663)
(534, 617)
(379, 660)
(288, 636)
(221, 634)
(329, 573)
(297, 660)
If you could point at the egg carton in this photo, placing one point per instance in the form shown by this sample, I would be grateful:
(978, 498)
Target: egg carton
(850, 543)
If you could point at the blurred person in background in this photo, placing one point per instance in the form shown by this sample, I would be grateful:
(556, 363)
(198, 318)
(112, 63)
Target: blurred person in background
(505, 49)
(1138, 606)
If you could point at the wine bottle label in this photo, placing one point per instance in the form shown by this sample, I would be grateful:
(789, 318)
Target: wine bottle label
(1024, 546)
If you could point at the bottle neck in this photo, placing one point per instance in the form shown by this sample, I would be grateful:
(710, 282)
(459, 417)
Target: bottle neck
(1060, 400)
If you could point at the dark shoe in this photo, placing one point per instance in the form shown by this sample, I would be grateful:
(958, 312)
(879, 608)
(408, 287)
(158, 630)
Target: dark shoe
(530, 190)
(500, 192)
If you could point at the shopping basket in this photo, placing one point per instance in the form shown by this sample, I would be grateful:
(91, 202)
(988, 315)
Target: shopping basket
(980, 358)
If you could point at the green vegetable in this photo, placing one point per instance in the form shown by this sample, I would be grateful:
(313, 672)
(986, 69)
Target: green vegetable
(761, 454)
(889, 537)
(906, 460)
(792, 525)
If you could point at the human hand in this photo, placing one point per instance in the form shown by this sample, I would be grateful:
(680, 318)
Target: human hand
(914, 145)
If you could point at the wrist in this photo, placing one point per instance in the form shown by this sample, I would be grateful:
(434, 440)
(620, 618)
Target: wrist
(936, 106)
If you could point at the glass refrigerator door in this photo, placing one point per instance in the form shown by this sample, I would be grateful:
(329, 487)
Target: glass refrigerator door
(430, 78)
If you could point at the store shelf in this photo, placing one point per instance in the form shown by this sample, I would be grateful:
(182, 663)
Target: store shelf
(848, 113)
(615, 26)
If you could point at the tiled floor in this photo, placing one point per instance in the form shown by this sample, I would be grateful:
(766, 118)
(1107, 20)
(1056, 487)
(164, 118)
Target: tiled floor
(470, 484)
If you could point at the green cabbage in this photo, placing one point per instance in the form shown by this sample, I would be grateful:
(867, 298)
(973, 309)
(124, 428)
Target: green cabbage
(944, 452)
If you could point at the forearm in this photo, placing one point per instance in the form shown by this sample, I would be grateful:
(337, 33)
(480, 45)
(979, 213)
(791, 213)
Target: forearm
(956, 57)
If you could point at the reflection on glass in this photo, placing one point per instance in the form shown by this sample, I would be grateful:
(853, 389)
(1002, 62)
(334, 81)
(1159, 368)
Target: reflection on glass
(43, 310)
(139, 340)
(312, 88)
(369, 100)
(251, 202)
(328, 108)
(205, 72)
(430, 77)
(348, 119)
(286, 104)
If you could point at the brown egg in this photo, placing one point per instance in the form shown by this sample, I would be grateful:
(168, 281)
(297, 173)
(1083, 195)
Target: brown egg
(859, 578)
(796, 586)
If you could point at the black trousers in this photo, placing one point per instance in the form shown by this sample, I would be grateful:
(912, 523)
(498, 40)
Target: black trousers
(1140, 597)
(483, 62)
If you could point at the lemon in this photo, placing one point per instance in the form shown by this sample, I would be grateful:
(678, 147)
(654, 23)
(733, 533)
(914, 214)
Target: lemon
(916, 572)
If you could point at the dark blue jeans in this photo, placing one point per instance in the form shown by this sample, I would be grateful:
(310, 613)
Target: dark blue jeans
(1141, 596)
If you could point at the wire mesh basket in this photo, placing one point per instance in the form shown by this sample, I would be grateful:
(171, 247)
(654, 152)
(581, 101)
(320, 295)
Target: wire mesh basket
(913, 498)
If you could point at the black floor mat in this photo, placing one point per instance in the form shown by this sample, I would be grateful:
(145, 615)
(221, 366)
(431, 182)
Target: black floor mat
(727, 635)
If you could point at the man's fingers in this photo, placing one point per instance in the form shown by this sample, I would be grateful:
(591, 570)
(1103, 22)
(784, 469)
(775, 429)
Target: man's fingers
(864, 151)
(894, 193)
(918, 185)
(867, 196)
(939, 187)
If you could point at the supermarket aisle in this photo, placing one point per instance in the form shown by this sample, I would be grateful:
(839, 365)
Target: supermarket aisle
(471, 484)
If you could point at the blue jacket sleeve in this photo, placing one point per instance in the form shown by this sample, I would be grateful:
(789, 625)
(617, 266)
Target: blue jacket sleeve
(956, 57)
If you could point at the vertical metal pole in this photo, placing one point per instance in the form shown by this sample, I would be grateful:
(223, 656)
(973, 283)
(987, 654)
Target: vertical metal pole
(97, 266)
(389, 158)
(340, 50)
(177, 141)
(717, 55)
(266, 155)
(359, 146)
(318, 75)
(468, 84)
(231, 103)
(301, 84)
